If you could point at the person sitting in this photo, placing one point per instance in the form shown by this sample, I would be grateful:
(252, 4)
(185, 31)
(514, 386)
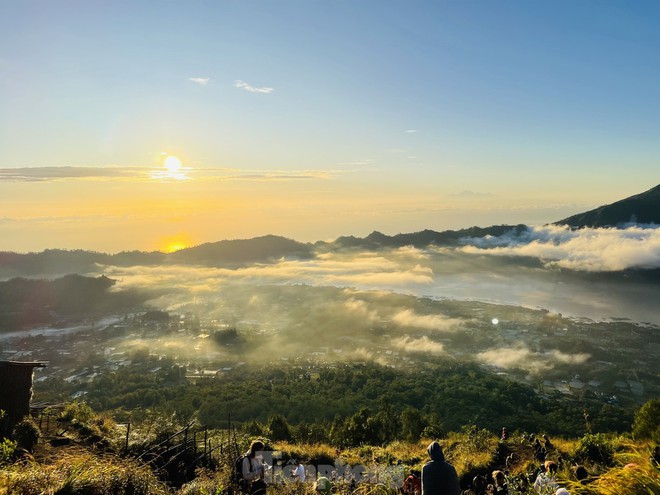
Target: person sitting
(545, 482)
(323, 486)
(547, 444)
(581, 474)
(438, 476)
(413, 483)
(298, 473)
(500, 487)
(655, 457)
(539, 451)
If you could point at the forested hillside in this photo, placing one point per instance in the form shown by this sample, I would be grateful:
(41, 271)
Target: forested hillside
(345, 404)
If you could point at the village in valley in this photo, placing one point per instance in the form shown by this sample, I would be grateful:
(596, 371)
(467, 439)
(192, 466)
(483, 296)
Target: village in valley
(613, 372)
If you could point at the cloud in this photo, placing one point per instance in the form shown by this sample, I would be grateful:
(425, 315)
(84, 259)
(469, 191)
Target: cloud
(422, 345)
(243, 85)
(410, 131)
(364, 272)
(202, 81)
(360, 308)
(40, 174)
(602, 249)
(441, 323)
(363, 354)
(112, 173)
(472, 195)
(528, 360)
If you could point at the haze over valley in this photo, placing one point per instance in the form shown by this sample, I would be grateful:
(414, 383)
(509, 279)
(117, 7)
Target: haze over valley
(565, 311)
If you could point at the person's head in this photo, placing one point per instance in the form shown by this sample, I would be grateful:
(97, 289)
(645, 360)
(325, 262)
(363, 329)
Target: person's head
(255, 447)
(581, 473)
(550, 467)
(479, 483)
(435, 451)
(499, 478)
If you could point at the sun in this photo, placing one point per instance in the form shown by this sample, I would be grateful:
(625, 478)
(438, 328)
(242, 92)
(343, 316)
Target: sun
(175, 242)
(172, 164)
(175, 246)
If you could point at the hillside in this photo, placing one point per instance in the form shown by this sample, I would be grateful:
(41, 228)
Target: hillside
(640, 208)
(77, 452)
(25, 303)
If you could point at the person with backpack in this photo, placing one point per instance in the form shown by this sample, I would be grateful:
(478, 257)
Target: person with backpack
(253, 470)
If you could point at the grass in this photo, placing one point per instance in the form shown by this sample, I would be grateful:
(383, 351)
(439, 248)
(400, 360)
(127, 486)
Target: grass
(86, 470)
(85, 474)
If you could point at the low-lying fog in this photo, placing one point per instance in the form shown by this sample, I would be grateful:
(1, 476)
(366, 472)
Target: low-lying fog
(548, 267)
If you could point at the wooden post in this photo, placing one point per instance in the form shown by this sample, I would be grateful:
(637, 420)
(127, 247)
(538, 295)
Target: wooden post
(206, 438)
(128, 431)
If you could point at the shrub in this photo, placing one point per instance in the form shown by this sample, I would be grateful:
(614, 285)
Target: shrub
(78, 413)
(595, 448)
(26, 434)
(647, 421)
(7, 450)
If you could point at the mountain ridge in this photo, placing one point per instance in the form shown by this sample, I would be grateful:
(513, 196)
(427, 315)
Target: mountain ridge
(643, 208)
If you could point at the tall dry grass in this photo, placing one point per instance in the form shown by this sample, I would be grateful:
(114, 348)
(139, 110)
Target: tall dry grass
(83, 474)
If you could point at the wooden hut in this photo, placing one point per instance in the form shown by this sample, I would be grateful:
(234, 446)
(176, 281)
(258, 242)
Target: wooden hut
(15, 391)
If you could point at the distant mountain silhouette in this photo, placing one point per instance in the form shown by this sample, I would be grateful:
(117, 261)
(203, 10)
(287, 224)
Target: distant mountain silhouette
(258, 249)
(640, 208)
(377, 240)
(230, 253)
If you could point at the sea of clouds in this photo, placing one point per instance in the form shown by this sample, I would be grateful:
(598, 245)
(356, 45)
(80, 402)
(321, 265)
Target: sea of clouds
(338, 299)
(602, 249)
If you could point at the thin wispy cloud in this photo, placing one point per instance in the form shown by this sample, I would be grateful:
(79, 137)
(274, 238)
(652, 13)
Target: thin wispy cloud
(467, 194)
(252, 89)
(38, 174)
(410, 131)
(202, 81)
(436, 322)
(422, 345)
(110, 173)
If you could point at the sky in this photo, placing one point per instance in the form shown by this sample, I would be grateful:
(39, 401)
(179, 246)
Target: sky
(155, 125)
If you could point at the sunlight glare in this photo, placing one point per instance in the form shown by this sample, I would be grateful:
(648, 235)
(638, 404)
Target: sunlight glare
(172, 169)
(172, 164)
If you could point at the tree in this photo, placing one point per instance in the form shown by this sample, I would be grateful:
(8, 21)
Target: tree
(647, 421)
(412, 424)
(278, 428)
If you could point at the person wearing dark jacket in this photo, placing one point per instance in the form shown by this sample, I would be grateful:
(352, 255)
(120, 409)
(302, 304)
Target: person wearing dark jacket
(438, 476)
